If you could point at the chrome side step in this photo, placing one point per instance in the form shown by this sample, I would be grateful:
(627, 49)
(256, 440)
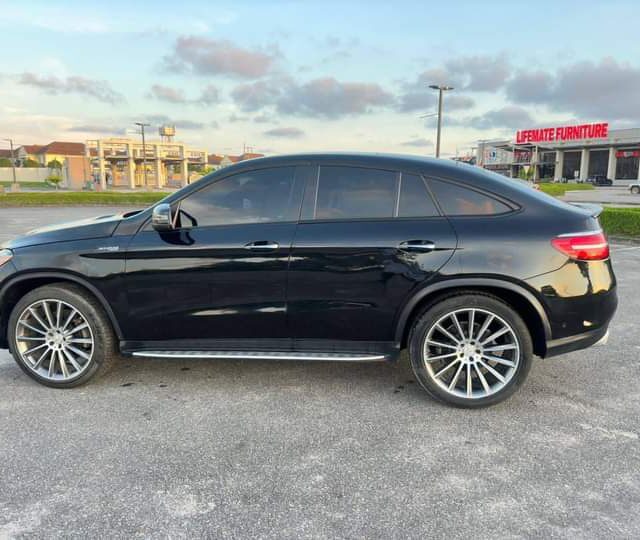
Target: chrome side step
(263, 355)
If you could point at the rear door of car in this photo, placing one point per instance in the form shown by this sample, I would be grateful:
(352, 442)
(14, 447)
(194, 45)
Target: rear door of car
(367, 239)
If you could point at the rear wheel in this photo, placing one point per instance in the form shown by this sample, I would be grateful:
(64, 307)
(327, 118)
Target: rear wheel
(60, 336)
(470, 350)
(635, 190)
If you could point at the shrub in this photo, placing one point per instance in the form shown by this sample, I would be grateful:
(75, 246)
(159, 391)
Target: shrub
(54, 179)
(621, 221)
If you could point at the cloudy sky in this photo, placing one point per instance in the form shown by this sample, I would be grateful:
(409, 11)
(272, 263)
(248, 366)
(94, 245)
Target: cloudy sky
(296, 76)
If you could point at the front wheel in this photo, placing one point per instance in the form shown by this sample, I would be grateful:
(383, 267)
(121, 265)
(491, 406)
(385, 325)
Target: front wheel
(60, 336)
(470, 350)
(635, 190)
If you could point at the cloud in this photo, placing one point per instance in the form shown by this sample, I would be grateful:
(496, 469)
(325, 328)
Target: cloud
(233, 118)
(209, 95)
(264, 119)
(590, 90)
(511, 117)
(254, 96)
(330, 98)
(419, 142)
(325, 97)
(98, 89)
(480, 73)
(167, 93)
(285, 132)
(96, 128)
(162, 119)
(203, 56)
(417, 96)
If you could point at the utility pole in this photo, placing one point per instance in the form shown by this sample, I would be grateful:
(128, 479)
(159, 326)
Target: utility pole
(13, 162)
(144, 151)
(441, 89)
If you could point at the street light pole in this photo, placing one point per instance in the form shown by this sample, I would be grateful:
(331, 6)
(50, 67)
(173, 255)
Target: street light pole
(13, 160)
(144, 151)
(441, 89)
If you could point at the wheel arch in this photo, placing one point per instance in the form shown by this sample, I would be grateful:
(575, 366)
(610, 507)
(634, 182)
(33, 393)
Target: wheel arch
(520, 299)
(18, 286)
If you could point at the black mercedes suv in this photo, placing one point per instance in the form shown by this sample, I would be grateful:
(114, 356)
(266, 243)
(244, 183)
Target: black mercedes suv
(329, 257)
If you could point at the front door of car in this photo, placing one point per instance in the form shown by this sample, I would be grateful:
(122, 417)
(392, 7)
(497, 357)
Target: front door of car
(221, 272)
(367, 240)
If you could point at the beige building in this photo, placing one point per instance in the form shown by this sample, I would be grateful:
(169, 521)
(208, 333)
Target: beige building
(120, 162)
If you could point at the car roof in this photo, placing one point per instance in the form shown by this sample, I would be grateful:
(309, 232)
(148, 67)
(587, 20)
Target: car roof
(368, 159)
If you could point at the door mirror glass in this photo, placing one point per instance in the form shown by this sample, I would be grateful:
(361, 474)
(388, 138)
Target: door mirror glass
(161, 217)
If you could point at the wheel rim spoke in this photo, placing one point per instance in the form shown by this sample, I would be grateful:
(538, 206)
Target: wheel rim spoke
(440, 344)
(79, 352)
(480, 363)
(472, 316)
(72, 360)
(498, 348)
(47, 345)
(499, 360)
(483, 381)
(76, 329)
(37, 318)
(440, 357)
(484, 326)
(492, 371)
(456, 323)
(47, 312)
(447, 333)
(453, 382)
(495, 335)
(445, 369)
(69, 317)
(27, 325)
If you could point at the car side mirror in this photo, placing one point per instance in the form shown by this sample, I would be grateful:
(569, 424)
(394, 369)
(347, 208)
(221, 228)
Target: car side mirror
(161, 217)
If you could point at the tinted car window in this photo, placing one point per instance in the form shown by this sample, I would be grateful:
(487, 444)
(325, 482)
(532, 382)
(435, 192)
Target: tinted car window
(415, 200)
(259, 196)
(456, 200)
(354, 192)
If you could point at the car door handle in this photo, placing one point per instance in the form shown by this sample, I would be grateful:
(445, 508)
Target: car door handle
(417, 245)
(262, 245)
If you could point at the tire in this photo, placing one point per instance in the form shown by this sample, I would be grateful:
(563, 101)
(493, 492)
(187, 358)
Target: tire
(635, 190)
(38, 321)
(510, 353)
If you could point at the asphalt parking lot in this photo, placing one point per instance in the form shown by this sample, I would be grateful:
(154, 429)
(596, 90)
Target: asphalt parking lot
(229, 449)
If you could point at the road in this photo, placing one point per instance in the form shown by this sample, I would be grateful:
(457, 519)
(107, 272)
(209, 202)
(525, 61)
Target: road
(229, 449)
(612, 196)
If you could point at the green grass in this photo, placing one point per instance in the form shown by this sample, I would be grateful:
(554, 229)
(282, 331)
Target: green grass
(621, 221)
(77, 198)
(30, 185)
(560, 189)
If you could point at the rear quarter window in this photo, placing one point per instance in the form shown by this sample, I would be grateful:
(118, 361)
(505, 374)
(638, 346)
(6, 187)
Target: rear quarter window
(457, 200)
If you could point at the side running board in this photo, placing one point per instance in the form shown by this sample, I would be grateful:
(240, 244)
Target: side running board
(270, 355)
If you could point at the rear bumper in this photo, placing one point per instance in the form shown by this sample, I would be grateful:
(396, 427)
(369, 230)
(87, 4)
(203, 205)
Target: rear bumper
(564, 345)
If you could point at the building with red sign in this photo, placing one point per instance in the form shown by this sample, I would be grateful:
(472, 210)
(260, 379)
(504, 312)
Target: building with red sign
(574, 152)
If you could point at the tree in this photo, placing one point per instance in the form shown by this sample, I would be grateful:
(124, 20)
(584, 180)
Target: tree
(5, 162)
(30, 163)
(54, 165)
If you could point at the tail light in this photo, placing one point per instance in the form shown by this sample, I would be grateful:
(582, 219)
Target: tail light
(584, 246)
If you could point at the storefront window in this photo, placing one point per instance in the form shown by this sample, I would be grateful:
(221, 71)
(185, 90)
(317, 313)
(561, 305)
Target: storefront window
(571, 165)
(598, 161)
(627, 168)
